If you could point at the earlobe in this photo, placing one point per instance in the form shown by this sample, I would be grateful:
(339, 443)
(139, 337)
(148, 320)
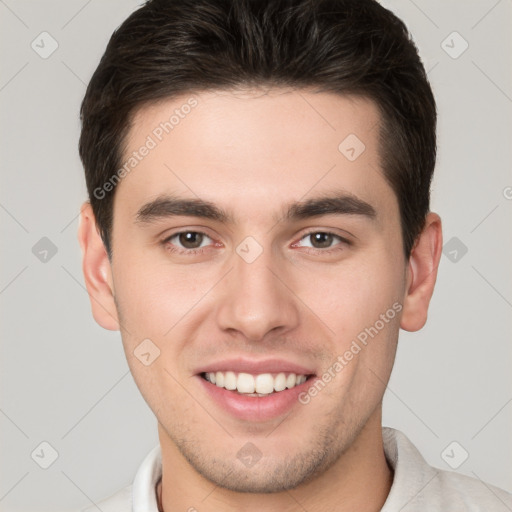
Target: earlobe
(422, 274)
(97, 271)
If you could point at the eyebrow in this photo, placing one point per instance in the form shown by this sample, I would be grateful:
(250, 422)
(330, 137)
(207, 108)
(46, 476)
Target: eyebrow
(337, 204)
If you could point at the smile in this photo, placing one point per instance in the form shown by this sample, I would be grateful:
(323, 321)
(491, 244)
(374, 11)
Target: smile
(255, 390)
(259, 385)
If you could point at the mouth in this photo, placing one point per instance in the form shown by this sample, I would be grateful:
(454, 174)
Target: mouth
(255, 391)
(259, 385)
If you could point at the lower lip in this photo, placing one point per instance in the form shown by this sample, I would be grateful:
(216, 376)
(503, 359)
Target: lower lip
(255, 408)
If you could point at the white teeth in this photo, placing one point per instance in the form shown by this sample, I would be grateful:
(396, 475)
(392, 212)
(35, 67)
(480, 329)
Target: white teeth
(280, 382)
(255, 385)
(300, 379)
(264, 383)
(245, 383)
(290, 381)
(230, 381)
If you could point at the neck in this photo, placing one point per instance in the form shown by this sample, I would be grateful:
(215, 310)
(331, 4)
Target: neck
(359, 480)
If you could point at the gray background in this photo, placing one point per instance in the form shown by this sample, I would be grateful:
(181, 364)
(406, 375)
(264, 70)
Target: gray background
(65, 381)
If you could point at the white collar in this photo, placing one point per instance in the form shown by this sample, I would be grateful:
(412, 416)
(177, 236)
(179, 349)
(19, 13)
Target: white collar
(144, 483)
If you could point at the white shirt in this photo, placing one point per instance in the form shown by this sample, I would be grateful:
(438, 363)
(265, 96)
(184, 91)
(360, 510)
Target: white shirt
(417, 487)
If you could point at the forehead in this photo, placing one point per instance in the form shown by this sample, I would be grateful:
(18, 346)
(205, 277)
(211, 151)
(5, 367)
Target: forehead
(253, 150)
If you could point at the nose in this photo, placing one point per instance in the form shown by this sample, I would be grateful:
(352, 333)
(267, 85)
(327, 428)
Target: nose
(258, 298)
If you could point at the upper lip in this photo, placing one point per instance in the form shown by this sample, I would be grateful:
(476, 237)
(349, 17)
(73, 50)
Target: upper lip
(255, 367)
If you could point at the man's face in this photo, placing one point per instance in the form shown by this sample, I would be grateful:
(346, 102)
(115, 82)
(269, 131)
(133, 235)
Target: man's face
(262, 280)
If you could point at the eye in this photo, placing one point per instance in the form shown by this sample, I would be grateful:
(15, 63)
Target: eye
(189, 240)
(320, 240)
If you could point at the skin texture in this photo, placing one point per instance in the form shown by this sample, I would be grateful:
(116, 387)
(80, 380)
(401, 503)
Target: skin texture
(252, 153)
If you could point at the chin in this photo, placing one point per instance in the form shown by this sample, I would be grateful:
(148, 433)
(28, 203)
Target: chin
(261, 474)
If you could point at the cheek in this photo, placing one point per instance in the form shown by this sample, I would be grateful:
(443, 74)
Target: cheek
(155, 296)
(351, 296)
(166, 392)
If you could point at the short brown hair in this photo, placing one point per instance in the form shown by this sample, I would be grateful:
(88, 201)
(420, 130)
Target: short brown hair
(171, 47)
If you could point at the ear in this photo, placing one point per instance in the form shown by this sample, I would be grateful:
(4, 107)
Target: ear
(422, 274)
(97, 271)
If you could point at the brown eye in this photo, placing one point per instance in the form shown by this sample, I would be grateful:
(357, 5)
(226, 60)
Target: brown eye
(190, 239)
(321, 240)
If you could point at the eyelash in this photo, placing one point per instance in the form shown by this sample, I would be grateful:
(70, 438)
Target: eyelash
(335, 248)
(200, 250)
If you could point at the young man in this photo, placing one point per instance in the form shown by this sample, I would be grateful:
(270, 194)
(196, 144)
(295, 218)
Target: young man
(259, 231)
